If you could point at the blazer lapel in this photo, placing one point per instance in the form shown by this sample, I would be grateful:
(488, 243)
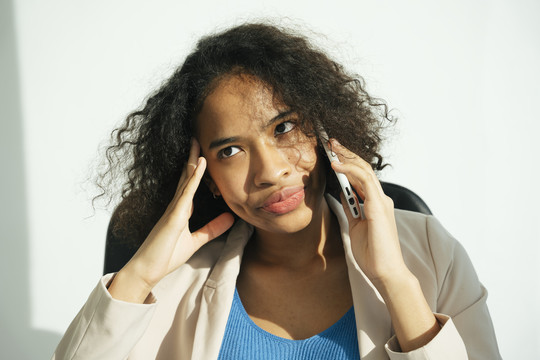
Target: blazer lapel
(372, 318)
(217, 294)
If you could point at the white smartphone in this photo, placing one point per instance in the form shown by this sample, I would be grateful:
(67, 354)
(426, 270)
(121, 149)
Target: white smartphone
(346, 187)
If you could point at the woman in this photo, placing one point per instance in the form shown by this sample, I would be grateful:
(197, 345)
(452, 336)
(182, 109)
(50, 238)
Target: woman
(277, 268)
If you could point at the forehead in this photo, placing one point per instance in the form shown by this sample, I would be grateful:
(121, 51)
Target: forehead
(239, 101)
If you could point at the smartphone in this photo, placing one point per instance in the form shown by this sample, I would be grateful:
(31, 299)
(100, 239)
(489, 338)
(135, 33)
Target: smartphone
(346, 187)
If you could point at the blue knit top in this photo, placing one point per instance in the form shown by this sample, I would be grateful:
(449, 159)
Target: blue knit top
(243, 339)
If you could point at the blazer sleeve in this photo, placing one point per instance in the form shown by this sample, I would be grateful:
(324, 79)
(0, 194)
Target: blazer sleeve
(446, 345)
(461, 295)
(105, 328)
(461, 310)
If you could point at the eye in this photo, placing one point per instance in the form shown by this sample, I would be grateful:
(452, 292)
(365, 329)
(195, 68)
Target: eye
(228, 152)
(284, 127)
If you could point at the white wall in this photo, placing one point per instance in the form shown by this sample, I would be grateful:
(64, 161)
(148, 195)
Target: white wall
(462, 74)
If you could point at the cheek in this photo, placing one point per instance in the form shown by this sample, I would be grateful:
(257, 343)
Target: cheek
(228, 180)
(314, 161)
(308, 155)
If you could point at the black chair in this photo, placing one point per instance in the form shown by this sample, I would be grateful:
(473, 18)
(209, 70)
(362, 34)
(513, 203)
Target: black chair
(405, 199)
(118, 254)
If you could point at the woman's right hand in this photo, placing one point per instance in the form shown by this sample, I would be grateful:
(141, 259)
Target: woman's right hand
(170, 243)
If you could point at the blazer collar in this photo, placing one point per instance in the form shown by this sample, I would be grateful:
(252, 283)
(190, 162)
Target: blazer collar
(372, 318)
(218, 292)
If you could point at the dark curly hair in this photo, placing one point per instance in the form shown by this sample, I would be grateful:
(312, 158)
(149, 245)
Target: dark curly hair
(152, 146)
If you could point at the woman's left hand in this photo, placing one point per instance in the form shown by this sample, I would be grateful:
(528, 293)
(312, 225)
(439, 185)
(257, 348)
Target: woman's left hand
(374, 239)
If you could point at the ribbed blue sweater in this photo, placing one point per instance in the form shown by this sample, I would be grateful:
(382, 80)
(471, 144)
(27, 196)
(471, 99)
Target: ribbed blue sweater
(243, 339)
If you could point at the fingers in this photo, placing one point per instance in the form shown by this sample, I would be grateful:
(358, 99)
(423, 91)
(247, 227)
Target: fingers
(358, 171)
(213, 229)
(180, 208)
(189, 167)
(193, 157)
(192, 182)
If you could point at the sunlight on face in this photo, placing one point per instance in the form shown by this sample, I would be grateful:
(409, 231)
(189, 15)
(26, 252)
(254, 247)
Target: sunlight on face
(259, 160)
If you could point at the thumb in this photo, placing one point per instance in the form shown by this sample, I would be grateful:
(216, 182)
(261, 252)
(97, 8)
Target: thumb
(213, 229)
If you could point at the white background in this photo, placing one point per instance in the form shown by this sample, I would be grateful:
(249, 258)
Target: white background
(463, 76)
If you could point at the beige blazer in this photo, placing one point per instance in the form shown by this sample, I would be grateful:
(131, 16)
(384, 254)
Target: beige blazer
(186, 314)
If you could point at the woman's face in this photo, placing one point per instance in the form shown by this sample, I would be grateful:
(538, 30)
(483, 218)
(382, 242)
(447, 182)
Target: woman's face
(261, 163)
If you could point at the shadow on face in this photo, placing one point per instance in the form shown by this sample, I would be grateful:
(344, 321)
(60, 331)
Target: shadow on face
(256, 149)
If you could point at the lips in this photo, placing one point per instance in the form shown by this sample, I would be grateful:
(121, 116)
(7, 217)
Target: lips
(285, 200)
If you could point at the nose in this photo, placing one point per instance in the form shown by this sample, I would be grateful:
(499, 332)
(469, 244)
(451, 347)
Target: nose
(270, 164)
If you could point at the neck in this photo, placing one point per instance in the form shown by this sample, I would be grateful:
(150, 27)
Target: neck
(315, 244)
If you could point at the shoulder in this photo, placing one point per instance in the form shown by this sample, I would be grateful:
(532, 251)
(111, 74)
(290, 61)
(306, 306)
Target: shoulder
(423, 234)
(208, 254)
(194, 273)
(215, 261)
(429, 250)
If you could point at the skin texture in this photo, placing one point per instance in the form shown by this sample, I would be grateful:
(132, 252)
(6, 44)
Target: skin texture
(293, 281)
(269, 154)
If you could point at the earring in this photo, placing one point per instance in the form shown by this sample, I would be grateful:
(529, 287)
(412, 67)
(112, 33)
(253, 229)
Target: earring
(215, 196)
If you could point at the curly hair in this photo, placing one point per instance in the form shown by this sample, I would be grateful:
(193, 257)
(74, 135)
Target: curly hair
(152, 146)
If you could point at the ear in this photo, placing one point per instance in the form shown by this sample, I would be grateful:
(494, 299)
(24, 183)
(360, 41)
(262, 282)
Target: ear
(211, 184)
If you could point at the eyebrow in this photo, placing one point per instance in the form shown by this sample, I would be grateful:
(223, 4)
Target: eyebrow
(278, 117)
(220, 142)
(223, 141)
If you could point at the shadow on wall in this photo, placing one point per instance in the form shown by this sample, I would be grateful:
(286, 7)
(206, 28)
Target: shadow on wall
(18, 340)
